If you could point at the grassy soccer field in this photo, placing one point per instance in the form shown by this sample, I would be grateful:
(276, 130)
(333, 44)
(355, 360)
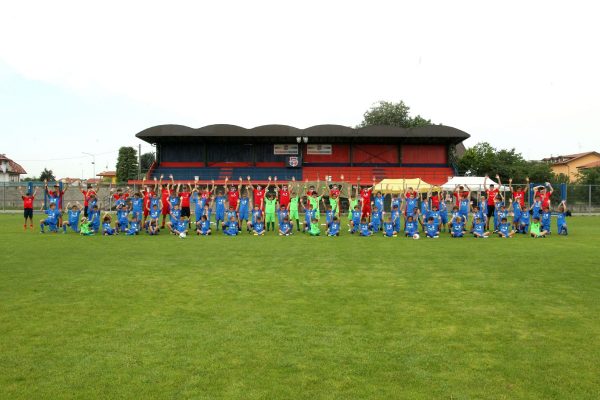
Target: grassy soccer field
(308, 318)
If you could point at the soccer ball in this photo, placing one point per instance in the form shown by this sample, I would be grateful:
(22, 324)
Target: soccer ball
(182, 235)
(416, 236)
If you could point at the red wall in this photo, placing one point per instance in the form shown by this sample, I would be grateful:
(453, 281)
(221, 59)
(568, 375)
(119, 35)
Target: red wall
(424, 154)
(340, 153)
(375, 153)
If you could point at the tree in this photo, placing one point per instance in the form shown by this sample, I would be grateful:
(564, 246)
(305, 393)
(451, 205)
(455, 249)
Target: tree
(394, 114)
(589, 176)
(146, 161)
(127, 164)
(483, 159)
(47, 175)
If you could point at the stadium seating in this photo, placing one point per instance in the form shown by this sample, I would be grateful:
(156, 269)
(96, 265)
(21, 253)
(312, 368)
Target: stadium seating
(219, 174)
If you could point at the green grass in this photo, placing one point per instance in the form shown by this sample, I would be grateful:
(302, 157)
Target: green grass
(299, 318)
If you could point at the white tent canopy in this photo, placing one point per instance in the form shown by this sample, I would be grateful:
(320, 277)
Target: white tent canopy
(475, 183)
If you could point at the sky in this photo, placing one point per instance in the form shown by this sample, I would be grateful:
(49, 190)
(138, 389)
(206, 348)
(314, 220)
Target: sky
(81, 76)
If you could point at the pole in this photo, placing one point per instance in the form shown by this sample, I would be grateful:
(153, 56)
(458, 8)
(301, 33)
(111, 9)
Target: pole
(590, 198)
(139, 161)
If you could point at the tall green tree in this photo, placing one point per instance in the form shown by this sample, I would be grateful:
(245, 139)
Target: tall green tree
(394, 114)
(127, 164)
(47, 175)
(146, 161)
(589, 176)
(483, 159)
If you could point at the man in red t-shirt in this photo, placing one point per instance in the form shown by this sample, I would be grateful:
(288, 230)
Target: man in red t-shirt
(491, 194)
(519, 193)
(184, 201)
(259, 194)
(233, 193)
(86, 197)
(545, 192)
(283, 194)
(365, 198)
(28, 206)
(165, 193)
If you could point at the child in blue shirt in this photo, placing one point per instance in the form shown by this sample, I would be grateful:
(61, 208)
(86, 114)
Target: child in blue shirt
(411, 227)
(258, 227)
(334, 227)
(73, 218)
(561, 219)
(203, 227)
(363, 228)
(432, 230)
(376, 219)
(479, 230)
(389, 229)
(108, 230)
(355, 220)
(285, 227)
(220, 208)
(504, 230)
(51, 221)
(94, 218)
(546, 219)
(458, 227)
(134, 226)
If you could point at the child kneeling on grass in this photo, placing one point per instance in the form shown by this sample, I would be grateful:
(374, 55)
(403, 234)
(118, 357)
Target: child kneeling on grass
(504, 229)
(535, 230)
(334, 227)
(108, 230)
(315, 229)
(203, 226)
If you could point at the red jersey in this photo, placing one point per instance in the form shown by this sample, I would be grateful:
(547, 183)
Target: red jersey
(147, 195)
(435, 201)
(519, 196)
(491, 196)
(205, 196)
(86, 195)
(185, 199)
(123, 196)
(335, 193)
(28, 201)
(545, 199)
(284, 197)
(365, 195)
(164, 194)
(259, 195)
(232, 198)
(460, 195)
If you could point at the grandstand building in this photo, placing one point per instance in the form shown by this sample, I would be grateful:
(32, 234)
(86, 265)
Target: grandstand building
(219, 151)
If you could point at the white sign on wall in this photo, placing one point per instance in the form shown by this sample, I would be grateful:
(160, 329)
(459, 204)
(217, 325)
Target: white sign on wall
(285, 149)
(322, 149)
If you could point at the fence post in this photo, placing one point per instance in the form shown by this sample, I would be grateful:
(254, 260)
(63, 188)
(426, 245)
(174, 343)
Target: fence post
(590, 198)
(3, 196)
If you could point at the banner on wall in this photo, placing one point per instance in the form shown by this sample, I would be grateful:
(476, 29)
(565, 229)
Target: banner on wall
(285, 149)
(293, 161)
(319, 149)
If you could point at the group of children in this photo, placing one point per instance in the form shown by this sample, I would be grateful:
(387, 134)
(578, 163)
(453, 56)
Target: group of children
(258, 210)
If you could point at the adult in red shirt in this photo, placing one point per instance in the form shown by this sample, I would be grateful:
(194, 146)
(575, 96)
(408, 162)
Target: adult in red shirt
(28, 206)
(461, 193)
(56, 195)
(233, 193)
(283, 194)
(519, 193)
(165, 193)
(86, 198)
(259, 194)
(435, 197)
(491, 194)
(184, 200)
(545, 192)
(365, 198)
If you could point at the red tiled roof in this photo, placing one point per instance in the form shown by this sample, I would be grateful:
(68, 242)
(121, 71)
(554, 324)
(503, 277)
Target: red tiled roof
(593, 164)
(107, 173)
(13, 166)
(569, 157)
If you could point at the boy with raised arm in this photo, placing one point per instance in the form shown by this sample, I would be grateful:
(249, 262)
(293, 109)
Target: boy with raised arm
(243, 206)
(561, 219)
(365, 198)
(73, 214)
(148, 194)
(28, 200)
(220, 201)
(463, 201)
(353, 202)
(165, 192)
(545, 192)
(233, 193)
(184, 201)
(293, 205)
(315, 200)
(89, 190)
(518, 197)
(491, 194)
(270, 207)
(258, 193)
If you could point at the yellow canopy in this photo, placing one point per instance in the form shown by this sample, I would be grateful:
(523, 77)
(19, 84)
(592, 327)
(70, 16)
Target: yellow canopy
(394, 186)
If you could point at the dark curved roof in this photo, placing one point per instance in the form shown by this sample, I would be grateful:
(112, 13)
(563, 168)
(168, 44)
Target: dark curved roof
(223, 130)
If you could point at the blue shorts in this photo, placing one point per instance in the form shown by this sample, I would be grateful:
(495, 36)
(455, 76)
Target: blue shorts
(444, 218)
(243, 214)
(220, 215)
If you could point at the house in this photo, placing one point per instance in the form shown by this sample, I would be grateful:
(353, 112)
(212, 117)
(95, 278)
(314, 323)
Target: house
(10, 171)
(107, 176)
(571, 164)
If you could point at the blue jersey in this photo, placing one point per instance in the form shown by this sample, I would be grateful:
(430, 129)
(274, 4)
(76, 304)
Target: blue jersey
(378, 202)
(53, 216)
(154, 201)
(334, 228)
(122, 215)
(431, 229)
(229, 214)
(411, 205)
(286, 227)
(479, 228)
(107, 228)
(92, 203)
(120, 202)
(137, 204)
(154, 213)
(329, 216)
(458, 228)
(356, 216)
(483, 206)
(181, 225)
(546, 219)
(396, 218)
(376, 218)
(175, 215)
(255, 215)
(364, 229)
(396, 201)
(94, 218)
(259, 227)
(309, 215)
(244, 204)
(536, 208)
(435, 215)
(524, 218)
(231, 228)
(173, 201)
(281, 215)
(134, 226)
(463, 206)
(388, 228)
(478, 214)
(424, 207)
(204, 226)
(220, 205)
(504, 229)
(74, 217)
(411, 228)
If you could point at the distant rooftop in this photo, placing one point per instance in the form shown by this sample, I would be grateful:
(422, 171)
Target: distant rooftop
(13, 167)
